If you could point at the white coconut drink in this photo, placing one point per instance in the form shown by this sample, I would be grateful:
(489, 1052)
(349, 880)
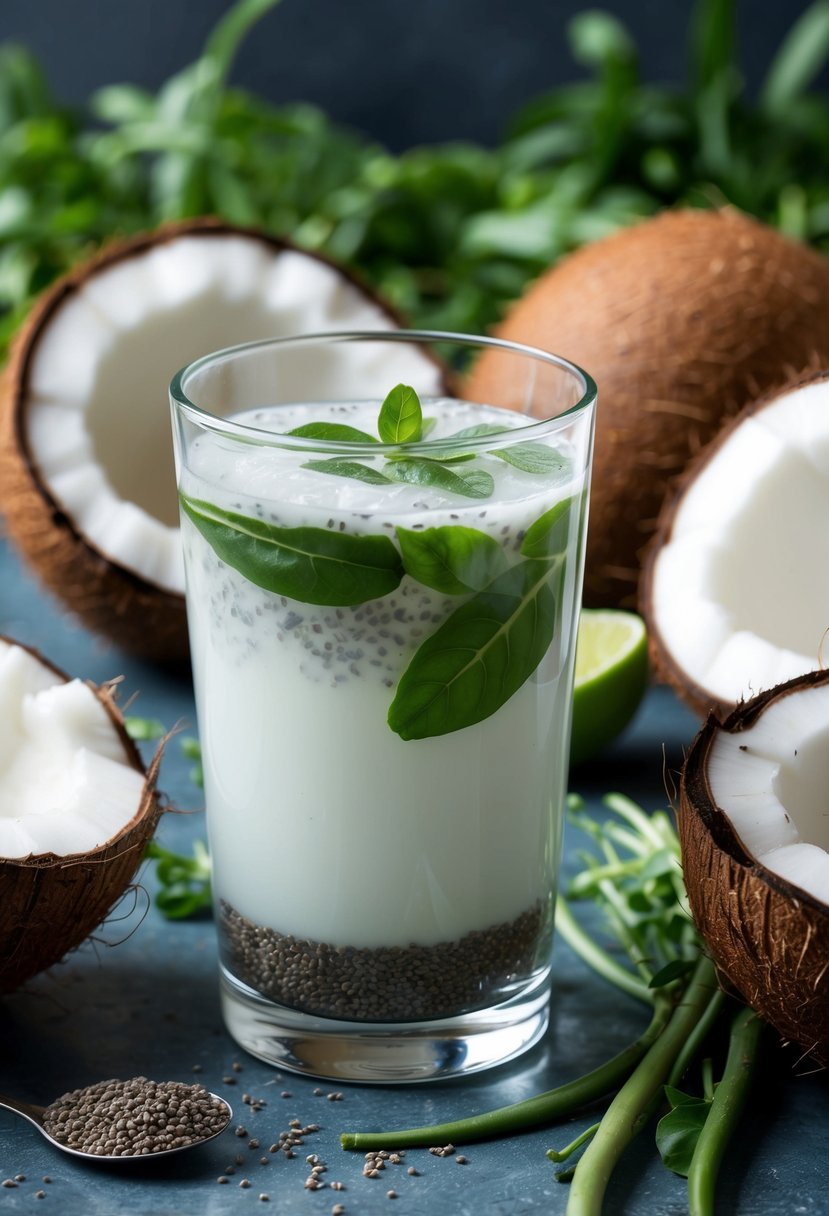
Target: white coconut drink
(87, 484)
(382, 592)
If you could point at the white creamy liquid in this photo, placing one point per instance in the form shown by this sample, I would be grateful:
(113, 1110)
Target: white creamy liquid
(323, 823)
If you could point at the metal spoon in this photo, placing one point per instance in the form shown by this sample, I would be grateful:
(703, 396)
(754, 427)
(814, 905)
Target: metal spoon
(35, 1115)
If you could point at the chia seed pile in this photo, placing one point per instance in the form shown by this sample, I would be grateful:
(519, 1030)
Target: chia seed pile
(135, 1118)
(384, 983)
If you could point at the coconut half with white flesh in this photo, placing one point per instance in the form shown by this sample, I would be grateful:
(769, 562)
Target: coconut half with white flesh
(736, 588)
(754, 826)
(87, 480)
(76, 811)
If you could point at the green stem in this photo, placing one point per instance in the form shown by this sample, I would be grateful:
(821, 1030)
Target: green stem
(690, 1049)
(595, 957)
(630, 1109)
(729, 1098)
(561, 1154)
(543, 1108)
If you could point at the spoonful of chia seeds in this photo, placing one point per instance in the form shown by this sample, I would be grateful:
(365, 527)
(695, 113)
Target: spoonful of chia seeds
(128, 1119)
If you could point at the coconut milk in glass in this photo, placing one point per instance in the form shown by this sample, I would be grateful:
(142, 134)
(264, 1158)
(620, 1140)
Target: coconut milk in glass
(383, 581)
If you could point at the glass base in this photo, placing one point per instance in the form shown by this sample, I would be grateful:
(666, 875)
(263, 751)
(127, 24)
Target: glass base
(376, 1052)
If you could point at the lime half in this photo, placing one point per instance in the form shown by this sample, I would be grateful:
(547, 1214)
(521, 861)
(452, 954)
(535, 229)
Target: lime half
(611, 678)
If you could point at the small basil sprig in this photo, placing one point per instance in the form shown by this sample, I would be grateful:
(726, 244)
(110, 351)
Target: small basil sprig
(400, 421)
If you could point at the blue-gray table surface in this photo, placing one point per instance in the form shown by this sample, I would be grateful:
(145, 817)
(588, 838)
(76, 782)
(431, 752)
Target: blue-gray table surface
(141, 998)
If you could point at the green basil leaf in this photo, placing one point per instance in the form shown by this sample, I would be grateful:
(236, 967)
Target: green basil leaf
(677, 1134)
(452, 559)
(427, 427)
(479, 431)
(400, 419)
(531, 457)
(332, 430)
(420, 471)
(478, 657)
(349, 468)
(549, 536)
(312, 565)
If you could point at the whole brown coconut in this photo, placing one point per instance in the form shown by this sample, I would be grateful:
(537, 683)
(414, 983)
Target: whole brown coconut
(52, 903)
(680, 320)
(109, 594)
(768, 937)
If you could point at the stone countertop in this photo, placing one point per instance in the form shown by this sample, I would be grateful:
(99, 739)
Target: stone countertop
(141, 997)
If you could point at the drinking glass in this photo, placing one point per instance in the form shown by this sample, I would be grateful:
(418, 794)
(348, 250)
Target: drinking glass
(383, 537)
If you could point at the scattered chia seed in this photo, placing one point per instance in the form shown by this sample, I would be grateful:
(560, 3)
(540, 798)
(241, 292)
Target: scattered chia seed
(384, 983)
(134, 1118)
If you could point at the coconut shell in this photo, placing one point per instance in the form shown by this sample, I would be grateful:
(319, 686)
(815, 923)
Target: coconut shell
(768, 938)
(52, 903)
(681, 320)
(109, 598)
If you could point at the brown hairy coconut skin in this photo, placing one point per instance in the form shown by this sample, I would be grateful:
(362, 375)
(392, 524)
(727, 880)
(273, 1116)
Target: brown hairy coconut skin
(769, 939)
(52, 903)
(681, 320)
(110, 599)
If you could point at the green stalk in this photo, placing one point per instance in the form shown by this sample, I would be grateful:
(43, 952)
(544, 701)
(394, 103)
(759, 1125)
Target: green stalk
(596, 957)
(631, 1108)
(533, 1112)
(697, 1037)
(728, 1101)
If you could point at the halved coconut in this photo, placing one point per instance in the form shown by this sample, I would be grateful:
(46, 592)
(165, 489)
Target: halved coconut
(86, 468)
(76, 810)
(681, 320)
(754, 829)
(736, 589)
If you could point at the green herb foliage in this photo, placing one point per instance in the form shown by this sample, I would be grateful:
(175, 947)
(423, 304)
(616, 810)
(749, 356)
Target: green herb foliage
(184, 881)
(632, 873)
(453, 559)
(401, 416)
(448, 233)
(314, 565)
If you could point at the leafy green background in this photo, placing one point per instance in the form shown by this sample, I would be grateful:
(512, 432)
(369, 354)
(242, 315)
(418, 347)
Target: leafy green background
(448, 233)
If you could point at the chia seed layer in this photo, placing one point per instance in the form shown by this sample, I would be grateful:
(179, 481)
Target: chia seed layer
(385, 983)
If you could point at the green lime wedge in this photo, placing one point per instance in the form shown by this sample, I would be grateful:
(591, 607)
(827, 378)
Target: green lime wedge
(611, 678)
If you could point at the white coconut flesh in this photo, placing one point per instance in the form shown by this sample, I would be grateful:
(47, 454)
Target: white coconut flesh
(740, 590)
(66, 784)
(97, 417)
(771, 781)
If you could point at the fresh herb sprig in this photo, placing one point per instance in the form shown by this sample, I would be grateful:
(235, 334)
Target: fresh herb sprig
(633, 874)
(450, 233)
(489, 646)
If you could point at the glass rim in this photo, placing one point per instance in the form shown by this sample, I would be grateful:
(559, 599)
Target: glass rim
(534, 428)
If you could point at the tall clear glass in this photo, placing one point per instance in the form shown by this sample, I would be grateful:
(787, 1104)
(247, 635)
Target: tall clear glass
(383, 536)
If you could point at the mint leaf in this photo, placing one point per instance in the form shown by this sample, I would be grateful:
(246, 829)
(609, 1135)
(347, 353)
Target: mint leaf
(548, 537)
(531, 457)
(400, 419)
(478, 657)
(349, 468)
(452, 559)
(312, 565)
(332, 430)
(421, 471)
(144, 729)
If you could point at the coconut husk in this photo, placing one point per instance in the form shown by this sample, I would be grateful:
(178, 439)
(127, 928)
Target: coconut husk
(681, 320)
(768, 938)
